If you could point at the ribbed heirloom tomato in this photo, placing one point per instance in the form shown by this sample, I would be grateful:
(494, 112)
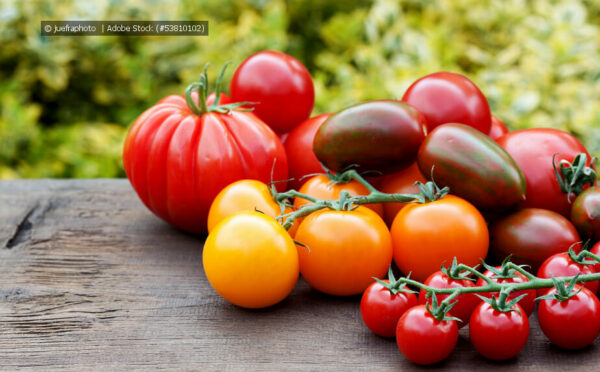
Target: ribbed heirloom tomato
(345, 250)
(180, 153)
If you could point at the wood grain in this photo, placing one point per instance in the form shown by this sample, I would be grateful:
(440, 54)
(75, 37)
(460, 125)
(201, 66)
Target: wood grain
(90, 280)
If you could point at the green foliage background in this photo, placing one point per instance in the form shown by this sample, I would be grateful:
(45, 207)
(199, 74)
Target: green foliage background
(66, 102)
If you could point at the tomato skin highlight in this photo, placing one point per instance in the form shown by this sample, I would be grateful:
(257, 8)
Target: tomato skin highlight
(346, 249)
(572, 324)
(585, 213)
(250, 260)
(533, 149)
(380, 309)
(280, 85)
(497, 129)
(177, 162)
(527, 302)
(402, 182)
(465, 303)
(561, 264)
(299, 149)
(423, 339)
(474, 167)
(531, 236)
(381, 136)
(498, 335)
(446, 97)
(425, 236)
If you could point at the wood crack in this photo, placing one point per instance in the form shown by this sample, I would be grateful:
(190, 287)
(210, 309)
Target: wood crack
(22, 232)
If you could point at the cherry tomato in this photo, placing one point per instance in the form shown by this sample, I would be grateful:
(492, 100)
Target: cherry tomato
(596, 250)
(425, 236)
(585, 213)
(380, 309)
(346, 249)
(533, 150)
(561, 264)
(299, 149)
(571, 324)
(245, 195)
(498, 335)
(446, 97)
(532, 235)
(465, 303)
(400, 183)
(281, 86)
(527, 302)
(321, 187)
(423, 339)
(250, 260)
(497, 129)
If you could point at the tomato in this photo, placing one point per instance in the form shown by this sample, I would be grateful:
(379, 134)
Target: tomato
(382, 136)
(279, 84)
(465, 303)
(533, 150)
(561, 264)
(497, 129)
(596, 250)
(423, 339)
(346, 250)
(250, 260)
(178, 158)
(473, 166)
(380, 309)
(585, 213)
(531, 235)
(244, 195)
(527, 302)
(571, 324)
(299, 149)
(427, 235)
(321, 187)
(400, 183)
(498, 335)
(445, 97)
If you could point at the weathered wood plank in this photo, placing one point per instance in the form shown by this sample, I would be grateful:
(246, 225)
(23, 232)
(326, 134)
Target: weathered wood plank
(89, 279)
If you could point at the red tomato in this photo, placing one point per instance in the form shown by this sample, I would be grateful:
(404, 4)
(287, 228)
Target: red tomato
(281, 86)
(585, 213)
(445, 97)
(299, 149)
(527, 302)
(380, 309)
(596, 250)
(497, 129)
(571, 324)
(561, 264)
(498, 335)
(465, 303)
(423, 339)
(400, 183)
(533, 150)
(177, 161)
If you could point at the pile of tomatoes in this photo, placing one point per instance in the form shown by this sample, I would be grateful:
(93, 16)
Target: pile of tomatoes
(223, 164)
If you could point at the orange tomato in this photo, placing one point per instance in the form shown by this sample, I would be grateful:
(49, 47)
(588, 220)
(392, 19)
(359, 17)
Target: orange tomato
(320, 186)
(245, 195)
(425, 236)
(346, 249)
(402, 182)
(250, 260)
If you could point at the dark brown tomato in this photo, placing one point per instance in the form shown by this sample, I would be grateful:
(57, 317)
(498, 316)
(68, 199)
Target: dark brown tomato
(585, 213)
(531, 236)
(379, 136)
(473, 165)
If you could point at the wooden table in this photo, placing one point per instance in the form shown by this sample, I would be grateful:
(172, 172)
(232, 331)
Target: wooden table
(90, 279)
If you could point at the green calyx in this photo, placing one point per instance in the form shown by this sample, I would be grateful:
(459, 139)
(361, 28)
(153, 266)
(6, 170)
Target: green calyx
(430, 192)
(454, 271)
(501, 304)
(394, 286)
(573, 177)
(564, 290)
(440, 310)
(202, 87)
(506, 270)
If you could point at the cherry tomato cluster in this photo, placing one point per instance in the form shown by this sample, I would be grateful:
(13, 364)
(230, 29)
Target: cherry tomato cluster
(341, 197)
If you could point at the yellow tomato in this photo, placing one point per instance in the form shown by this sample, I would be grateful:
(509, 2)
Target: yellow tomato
(250, 260)
(244, 195)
